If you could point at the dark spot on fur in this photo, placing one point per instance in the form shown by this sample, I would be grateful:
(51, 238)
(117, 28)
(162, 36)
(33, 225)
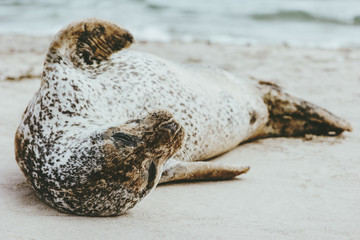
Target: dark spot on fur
(70, 113)
(253, 118)
(76, 88)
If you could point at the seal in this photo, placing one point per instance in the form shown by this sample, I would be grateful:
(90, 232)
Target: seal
(108, 124)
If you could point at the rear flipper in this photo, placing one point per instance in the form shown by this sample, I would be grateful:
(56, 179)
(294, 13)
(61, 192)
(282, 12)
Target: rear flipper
(192, 171)
(292, 117)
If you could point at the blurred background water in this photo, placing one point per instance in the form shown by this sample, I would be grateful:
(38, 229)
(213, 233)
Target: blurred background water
(313, 23)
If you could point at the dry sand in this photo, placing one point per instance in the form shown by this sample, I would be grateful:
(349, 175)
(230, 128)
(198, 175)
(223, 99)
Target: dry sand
(296, 188)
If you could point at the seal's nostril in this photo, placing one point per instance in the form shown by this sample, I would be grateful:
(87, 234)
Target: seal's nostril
(172, 126)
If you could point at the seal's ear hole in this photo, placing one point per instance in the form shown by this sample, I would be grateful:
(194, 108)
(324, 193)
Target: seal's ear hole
(126, 139)
(152, 175)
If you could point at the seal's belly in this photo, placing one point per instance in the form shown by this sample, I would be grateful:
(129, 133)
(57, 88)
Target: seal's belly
(216, 111)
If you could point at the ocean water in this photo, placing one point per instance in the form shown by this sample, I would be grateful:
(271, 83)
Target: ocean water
(308, 23)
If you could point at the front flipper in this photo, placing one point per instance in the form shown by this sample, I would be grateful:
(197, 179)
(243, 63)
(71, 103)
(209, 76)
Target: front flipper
(293, 117)
(194, 171)
(87, 42)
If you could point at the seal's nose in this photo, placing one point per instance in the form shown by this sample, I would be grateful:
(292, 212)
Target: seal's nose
(170, 126)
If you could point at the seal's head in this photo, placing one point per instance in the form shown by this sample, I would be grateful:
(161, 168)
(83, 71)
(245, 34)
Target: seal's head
(133, 156)
(136, 151)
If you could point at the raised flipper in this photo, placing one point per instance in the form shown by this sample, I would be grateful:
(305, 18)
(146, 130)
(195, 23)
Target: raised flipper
(88, 42)
(193, 171)
(293, 117)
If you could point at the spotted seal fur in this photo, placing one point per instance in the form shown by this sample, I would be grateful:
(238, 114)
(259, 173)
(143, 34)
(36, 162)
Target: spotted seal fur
(108, 124)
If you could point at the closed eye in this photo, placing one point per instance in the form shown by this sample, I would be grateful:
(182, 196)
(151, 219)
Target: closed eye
(126, 139)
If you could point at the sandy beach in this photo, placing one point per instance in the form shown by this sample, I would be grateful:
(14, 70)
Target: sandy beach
(297, 188)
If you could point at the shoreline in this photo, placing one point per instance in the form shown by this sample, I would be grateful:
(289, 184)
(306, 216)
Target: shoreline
(297, 188)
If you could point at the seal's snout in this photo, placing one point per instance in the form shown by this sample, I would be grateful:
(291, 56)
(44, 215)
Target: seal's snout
(164, 122)
(171, 126)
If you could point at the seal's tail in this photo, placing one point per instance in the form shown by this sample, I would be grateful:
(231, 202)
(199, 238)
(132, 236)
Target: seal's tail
(293, 117)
